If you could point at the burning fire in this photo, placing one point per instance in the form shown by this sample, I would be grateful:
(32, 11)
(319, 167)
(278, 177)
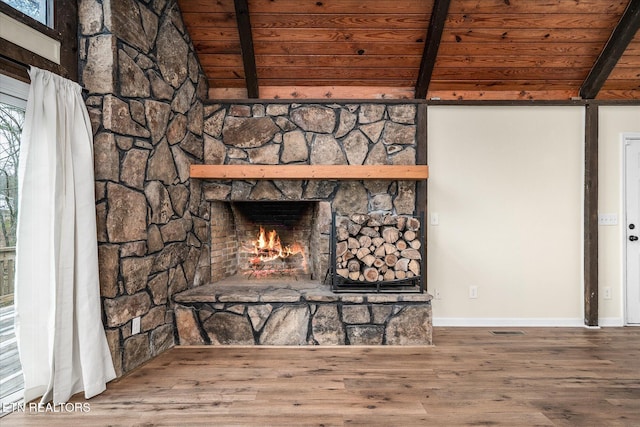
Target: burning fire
(269, 248)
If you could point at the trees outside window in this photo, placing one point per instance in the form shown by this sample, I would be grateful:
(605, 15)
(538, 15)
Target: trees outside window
(11, 123)
(37, 9)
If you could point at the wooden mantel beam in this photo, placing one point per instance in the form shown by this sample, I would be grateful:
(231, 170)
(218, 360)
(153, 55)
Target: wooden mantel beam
(383, 172)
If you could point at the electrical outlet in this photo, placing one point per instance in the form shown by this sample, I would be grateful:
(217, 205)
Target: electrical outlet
(436, 294)
(606, 292)
(473, 292)
(135, 325)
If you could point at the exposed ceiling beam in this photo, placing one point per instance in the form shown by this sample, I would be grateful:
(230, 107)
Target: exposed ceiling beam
(613, 50)
(246, 45)
(432, 43)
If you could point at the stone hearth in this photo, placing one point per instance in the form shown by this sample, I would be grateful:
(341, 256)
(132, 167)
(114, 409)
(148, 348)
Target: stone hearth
(299, 313)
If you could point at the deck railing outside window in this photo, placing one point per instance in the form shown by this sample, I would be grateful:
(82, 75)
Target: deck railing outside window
(7, 270)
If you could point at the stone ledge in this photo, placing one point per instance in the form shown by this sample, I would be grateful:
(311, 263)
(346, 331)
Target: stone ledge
(298, 313)
(274, 291)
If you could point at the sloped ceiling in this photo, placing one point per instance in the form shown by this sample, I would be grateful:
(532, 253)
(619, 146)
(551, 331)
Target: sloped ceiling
(442, 49)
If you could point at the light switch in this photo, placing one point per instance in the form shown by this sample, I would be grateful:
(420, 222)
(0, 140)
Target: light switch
(607, 219)
(435, 218)
(135, 325)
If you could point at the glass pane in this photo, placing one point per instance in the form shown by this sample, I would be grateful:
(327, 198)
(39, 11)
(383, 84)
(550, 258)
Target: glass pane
(37, 9)
(11, 123)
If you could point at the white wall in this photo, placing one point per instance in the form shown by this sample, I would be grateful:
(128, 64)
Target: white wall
(507, 184)
(614, 121)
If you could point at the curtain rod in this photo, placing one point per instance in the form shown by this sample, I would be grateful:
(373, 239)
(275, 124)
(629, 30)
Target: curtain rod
(25, 67)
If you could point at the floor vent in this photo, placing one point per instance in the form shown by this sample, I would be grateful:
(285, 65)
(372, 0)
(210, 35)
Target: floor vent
(507, 333)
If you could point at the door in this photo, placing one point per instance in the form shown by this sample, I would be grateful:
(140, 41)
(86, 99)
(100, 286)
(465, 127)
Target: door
(13, 95)
(632, 227)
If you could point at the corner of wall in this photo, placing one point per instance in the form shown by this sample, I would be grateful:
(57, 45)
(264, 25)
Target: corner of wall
(146, 105)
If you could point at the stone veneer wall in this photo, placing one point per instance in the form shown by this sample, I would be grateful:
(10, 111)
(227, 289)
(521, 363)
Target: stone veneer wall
(146, 91)
(329, 134)
(278, 133)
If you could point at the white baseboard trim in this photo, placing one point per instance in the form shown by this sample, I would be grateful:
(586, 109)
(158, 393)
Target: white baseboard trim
(507, 322)
(611, 322)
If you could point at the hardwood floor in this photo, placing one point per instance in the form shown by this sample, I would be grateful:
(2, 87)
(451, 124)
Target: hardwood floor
(547, 376)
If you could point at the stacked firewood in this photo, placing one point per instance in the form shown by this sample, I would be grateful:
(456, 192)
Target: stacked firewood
(377, 247)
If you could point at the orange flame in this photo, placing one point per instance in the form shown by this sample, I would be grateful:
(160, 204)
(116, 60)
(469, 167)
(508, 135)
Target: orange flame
(268, 247)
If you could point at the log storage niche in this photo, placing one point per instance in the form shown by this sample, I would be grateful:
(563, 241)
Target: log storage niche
(377, 252)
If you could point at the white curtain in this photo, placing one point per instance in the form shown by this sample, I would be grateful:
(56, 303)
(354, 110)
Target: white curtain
(61, 339)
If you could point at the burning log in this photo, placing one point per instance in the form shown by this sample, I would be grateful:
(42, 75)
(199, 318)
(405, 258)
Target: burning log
(267, 253)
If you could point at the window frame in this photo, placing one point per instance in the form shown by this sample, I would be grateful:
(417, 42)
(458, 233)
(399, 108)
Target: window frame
(15, 60)
(15, 93)
(48, 12)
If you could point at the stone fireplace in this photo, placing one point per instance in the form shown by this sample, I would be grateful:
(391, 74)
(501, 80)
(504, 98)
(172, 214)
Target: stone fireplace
(256, 294)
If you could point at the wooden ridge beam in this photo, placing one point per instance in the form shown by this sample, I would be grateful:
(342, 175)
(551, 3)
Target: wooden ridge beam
(620, 38)
(382, 172)
(246, 46)
(432, 43)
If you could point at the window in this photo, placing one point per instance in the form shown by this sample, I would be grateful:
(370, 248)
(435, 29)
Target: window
(40, 10)
(52, 47)
(13, 95)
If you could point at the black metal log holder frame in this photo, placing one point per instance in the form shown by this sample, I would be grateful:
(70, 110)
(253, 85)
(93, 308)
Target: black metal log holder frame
(341, 284)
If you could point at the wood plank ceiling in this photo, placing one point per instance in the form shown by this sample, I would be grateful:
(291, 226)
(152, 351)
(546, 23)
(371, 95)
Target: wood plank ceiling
(446, 49)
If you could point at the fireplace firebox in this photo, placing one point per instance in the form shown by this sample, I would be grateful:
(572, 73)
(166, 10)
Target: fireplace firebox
(256, 241)
(273, 239)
